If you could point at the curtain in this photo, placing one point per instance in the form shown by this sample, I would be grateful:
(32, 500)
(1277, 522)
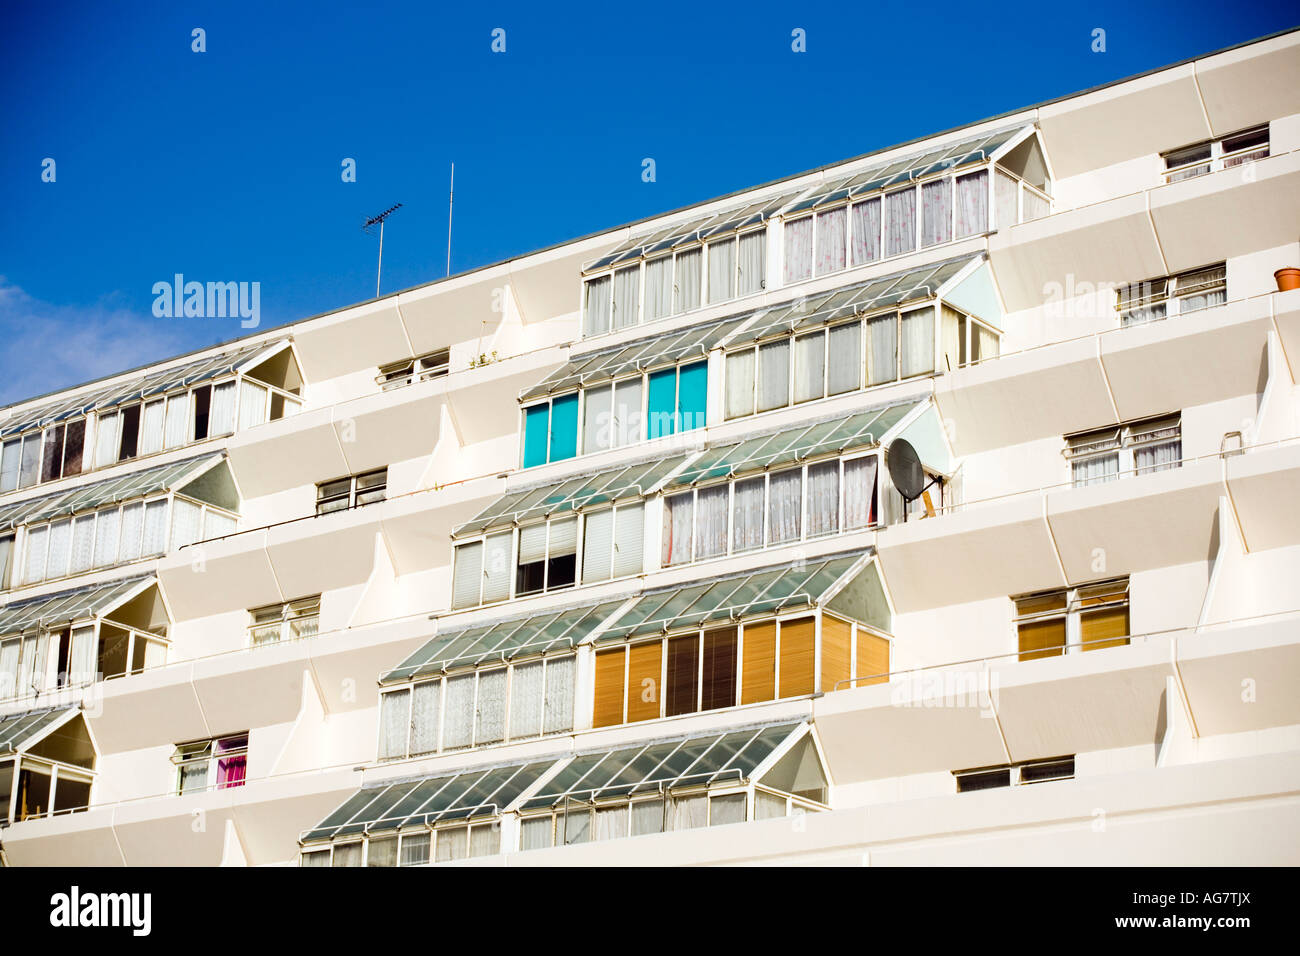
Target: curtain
(712, 522)
(916, 342)
(973, 204)
(859, 489)
(936, 212)
(9, 668)
(132, 523)
(1160, 457)
(597, 430)
(598, 306)
(823, 498)
(678, 518)
(597, 545)
(768, 805)
(866, 231)
(106, 440)
(1036, 207)
(1006, 191)
(467, 580)
(627, 292)
(221, 415)
(458, 723)
(381, 852)
(844, 358)
(753, 255)
(809, 366)
(83, 543)
(526, 700)
(900, 221)
(426, 700)
(34, 563)
(747, 514)
(785, 505)
(688, 281)
(415, 849)
(832, 236)
(557, 716)
(882, 348)
(774, 375)
(611, 822)
(647, 817)
(952, 339)
(6, 559)
(178, 420)
(496, 565)
(29, 471)
(573, 827)
(60, 549)
(626, 426)
(453, 844)
(217, 525)
(688, 813)
(728, 809)
(81, 660)
(107, 526)
(9, 456)
(1095, 471)
(394, 723)
(185, 523)
(629, 542)
(346, 854)
(155, 527)
(491, 711)
(252, 404)
(151, 428)
(536, 833)
(740, 384)
(658, 288)
(798, 249)
(722, 270)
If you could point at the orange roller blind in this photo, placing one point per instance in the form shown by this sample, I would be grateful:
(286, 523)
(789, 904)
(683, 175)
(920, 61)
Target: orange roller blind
(681, 696)
(644, 673)
(798, 649)
(1042, 639)
(837, 637)
(719, 667)
(1105, 628)
(758, 670)
(873, 659)
(608, 709)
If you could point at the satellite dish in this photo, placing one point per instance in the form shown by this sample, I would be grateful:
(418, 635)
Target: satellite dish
(905, 469)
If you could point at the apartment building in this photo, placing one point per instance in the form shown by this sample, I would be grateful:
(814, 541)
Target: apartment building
(935, 506)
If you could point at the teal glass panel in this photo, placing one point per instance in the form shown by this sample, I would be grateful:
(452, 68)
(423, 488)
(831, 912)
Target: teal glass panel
(661, 408)
(537, 425)
(564, 427)
(693, 392)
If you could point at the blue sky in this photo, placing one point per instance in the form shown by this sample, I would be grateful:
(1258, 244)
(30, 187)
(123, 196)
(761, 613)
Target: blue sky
(225, 165)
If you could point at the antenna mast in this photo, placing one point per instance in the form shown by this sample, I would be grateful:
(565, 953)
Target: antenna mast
(451, 199)
(368, 228)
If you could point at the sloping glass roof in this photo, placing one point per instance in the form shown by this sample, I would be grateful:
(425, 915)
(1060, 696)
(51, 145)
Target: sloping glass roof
(899, 172)
(910, 285)
(67, 606)
(730, 757)
(572, 494)
(793, 444)
(735, 217)
(502, 641)
(136, 484)
(666, 348)
(427, 801)
(729, 599)
(144, 386)
(20, 730)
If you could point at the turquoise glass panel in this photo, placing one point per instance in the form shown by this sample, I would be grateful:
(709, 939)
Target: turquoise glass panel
(564, 427)
(537, 422)
(661, 407)
(693, 395)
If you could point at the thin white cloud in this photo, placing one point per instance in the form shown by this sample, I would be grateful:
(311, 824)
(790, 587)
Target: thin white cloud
(48, 347)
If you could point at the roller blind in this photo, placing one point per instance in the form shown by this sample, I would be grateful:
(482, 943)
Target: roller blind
(873, 659)
(645, 662)
(608, 694)
(597, 430)
(629, 544)
(1042, 639)
(682, 677)
(563, 538)
(758, 667)
(496, 567)
(844, 358)
(718, 688)
(1104, 628)
(468, 576)
(753, 254)
(597, 545)
(532, 544)
(837, 648)
(774, 375)
(798, 649)
(809, 366)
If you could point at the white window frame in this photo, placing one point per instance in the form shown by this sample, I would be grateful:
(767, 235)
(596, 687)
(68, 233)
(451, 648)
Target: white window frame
(1219, 158)
(1122, 442)
(294, 620)
(1169, 294)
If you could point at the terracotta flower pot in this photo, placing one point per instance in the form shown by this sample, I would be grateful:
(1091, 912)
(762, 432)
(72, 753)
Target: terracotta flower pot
(1287, 279)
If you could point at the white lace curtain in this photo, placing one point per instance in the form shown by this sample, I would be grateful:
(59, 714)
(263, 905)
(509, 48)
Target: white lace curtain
(973, 204)
(785, 505)
(711, 524)
(798, 249)
(832, 233)
(900, 221)
(866, 231)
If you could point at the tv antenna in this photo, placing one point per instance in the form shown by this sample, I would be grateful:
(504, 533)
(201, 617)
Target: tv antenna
(369, 229)
(451, 199)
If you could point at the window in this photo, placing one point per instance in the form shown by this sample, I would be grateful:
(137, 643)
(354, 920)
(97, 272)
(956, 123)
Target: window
(1155, 299)
(613, 542)
(419, 369)
(42, 788)
(963, 339)
(780, 507)
(1137, 448)
(1211, 155)
(285, 622)
(1013, 775)
(522, 700)
(6, 559)
(612, 415)
(1088, 618)
(548, 556)
(551, 431)
(343, 493)
(219, 763)
(677, 399)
